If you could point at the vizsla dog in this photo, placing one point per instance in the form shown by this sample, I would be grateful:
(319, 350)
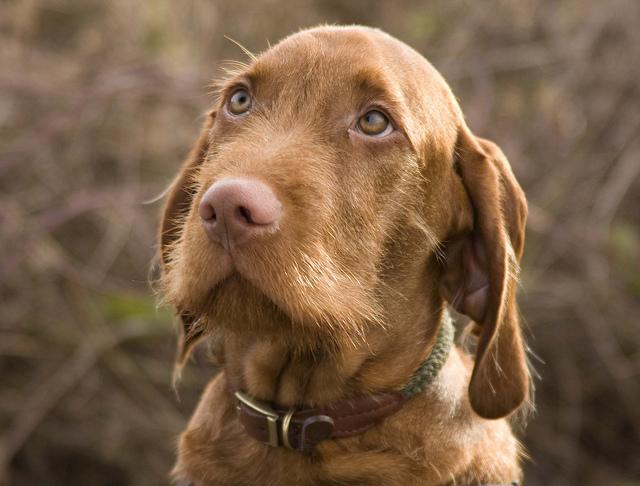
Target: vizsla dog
(334, 206)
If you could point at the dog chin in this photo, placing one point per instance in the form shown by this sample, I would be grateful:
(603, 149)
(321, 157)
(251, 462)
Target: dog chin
(236, 304)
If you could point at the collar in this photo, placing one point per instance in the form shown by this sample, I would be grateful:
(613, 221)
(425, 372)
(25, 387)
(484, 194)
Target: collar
(302, 428)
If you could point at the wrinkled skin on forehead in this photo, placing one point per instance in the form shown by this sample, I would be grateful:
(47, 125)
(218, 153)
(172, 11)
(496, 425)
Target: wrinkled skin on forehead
(346, 295)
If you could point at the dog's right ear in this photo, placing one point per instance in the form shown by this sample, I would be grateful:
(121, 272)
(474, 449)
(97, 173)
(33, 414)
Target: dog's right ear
(481, 274)
(181, 192)
(177, 204)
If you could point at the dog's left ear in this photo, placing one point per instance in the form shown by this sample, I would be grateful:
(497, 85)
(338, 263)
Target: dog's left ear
(481, 275)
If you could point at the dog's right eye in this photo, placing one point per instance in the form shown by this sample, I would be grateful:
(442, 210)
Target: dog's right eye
(240, 102)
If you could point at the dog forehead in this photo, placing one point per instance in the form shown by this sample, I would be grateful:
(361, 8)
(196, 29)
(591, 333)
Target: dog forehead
(341, 55)
(325, 63)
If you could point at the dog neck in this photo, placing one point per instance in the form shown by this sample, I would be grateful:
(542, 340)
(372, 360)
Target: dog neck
(269, 370)
(301, 428)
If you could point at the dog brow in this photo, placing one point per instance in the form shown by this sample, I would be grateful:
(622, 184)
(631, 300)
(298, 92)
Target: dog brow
(375, 84)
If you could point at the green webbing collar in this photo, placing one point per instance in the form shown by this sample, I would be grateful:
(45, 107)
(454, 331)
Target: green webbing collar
(431, 366)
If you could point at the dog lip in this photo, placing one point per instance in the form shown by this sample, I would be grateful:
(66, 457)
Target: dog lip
(226, 258)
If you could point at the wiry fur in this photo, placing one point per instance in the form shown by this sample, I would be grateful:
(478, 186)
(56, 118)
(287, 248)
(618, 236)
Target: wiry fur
(345, 297)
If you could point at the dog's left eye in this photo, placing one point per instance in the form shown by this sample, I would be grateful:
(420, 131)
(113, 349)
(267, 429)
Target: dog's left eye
(375, 124)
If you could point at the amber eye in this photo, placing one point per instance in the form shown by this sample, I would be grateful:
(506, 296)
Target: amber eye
(374, 123)
(240, 102)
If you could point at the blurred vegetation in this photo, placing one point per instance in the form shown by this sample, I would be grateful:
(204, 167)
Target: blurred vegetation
(99, 102)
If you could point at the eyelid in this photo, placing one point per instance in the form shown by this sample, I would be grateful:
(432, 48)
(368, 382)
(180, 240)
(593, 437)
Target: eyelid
(237, 87)
(241, 83)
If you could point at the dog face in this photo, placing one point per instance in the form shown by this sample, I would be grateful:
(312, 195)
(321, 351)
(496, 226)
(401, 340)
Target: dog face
(333, 173)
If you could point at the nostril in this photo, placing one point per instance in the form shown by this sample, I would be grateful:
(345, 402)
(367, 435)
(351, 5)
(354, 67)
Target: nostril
(245, 214)
(207, 212)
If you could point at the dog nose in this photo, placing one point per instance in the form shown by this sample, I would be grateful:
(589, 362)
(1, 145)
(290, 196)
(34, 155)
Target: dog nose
(234, 211)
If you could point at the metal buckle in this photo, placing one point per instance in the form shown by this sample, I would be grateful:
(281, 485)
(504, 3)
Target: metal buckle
(271, 415)
(286, 421)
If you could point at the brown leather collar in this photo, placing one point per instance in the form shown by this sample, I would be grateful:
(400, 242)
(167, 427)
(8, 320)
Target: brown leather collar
(303, 428)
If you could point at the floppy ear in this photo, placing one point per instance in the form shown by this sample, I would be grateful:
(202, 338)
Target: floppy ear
(481, 275)
(178, 202)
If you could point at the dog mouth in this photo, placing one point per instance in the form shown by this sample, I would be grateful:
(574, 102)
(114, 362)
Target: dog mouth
(278, 282)
(304, 306)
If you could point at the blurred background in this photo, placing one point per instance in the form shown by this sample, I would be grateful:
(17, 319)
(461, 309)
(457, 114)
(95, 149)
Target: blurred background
(100, 101)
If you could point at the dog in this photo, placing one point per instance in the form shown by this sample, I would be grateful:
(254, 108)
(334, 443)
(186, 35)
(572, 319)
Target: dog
(332, 211)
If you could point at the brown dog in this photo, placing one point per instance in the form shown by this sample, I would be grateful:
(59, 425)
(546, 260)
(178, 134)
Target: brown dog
(333, 204)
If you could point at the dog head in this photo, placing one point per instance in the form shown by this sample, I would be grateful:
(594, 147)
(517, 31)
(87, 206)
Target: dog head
(336, 188)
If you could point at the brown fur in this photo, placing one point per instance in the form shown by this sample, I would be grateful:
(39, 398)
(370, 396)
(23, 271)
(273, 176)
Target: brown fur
(346, 297)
